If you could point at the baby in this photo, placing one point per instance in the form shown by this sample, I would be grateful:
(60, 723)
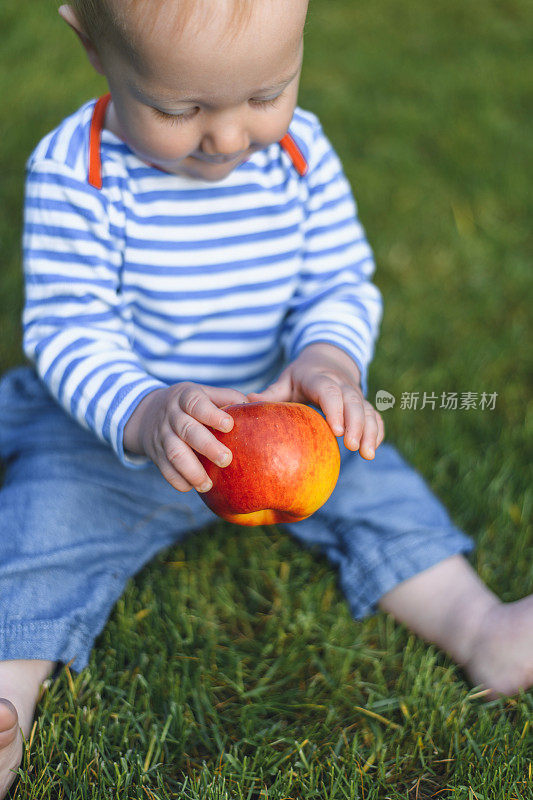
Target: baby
(191, 241)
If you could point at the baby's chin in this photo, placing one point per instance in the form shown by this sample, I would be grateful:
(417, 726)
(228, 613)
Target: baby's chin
(200, 169)
(196, 168)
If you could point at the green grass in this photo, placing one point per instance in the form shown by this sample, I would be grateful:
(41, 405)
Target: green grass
(231, 667)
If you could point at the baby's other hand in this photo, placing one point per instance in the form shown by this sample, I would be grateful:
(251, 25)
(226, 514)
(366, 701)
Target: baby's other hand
(169, 424)
(326, 376)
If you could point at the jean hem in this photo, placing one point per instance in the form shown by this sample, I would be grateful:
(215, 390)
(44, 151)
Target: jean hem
(47, 640)
(400, 569)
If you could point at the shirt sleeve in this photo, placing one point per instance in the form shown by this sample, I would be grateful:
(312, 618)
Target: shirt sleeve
(335, 301)
(74, 327)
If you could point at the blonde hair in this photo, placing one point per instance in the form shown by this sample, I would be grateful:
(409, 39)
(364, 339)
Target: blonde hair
(109, 21)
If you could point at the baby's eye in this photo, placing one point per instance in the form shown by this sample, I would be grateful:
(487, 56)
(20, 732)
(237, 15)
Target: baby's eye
(174, 119)
(267, 103)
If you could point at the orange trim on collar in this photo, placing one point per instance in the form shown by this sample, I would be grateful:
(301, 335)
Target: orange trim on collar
(95, 136)
(295, 154)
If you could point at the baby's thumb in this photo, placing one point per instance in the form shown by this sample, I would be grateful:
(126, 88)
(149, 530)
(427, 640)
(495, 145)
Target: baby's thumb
(277, 392)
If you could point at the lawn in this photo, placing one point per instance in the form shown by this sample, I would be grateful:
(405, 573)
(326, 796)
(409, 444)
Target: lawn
(231, 667)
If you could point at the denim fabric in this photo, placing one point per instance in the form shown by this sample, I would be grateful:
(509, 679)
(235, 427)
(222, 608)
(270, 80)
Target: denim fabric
(75, 524)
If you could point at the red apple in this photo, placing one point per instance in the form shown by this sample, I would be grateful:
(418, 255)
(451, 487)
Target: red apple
(285, 465)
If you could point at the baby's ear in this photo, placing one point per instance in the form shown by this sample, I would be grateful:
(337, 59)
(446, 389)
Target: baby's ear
(69, 15)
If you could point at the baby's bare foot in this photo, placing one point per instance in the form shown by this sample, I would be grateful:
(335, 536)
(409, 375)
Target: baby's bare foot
(501, 657)
(20, 682)
(10, 745)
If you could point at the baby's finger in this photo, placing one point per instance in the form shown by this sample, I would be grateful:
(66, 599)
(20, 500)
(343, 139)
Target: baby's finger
(328, 395)
(200, 439)
(278, 392)
(222, 396)
(381, 429)
(354, 417)
(174, 478)
(367, 447)
(194, 401)
(170, 473)
(184, 461)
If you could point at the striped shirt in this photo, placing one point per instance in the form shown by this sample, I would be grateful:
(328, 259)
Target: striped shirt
(147, 278)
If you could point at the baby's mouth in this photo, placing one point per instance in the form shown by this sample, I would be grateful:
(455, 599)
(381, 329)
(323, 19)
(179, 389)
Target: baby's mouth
(218, 159)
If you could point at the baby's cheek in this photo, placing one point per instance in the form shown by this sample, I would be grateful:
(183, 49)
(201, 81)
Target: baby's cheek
(162, 142)
(271, 130)
(277, 124)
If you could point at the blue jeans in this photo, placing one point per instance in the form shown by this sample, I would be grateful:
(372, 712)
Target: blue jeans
(75, 524)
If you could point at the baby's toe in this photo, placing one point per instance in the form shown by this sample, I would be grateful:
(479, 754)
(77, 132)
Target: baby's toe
(10, 745)
(9, 723)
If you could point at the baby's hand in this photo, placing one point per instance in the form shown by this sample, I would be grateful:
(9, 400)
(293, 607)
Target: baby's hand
(169, 424)
(326, 376)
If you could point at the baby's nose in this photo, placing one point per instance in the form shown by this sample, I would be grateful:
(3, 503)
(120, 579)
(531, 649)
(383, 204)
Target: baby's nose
(225, 140)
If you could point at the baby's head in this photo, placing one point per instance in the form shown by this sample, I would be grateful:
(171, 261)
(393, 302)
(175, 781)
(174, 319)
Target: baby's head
(196, 85)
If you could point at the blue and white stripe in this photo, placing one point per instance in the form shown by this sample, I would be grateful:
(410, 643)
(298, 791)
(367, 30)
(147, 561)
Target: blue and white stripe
(158, 278)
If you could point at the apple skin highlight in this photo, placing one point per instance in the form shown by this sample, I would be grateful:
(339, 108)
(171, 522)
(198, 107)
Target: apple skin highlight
(286, 463)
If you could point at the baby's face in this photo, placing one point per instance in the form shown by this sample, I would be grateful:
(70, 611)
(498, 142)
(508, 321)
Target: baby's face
(200, 103)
